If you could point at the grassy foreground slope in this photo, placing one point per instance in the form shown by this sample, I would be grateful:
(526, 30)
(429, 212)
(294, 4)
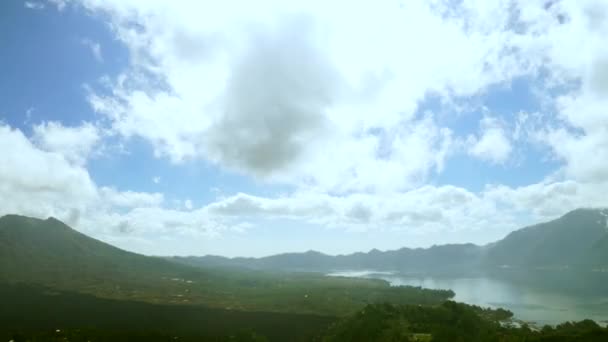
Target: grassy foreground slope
(75, 317)
(28, 311)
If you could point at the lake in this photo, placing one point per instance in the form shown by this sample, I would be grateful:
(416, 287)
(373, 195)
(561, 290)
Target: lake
(541, 305)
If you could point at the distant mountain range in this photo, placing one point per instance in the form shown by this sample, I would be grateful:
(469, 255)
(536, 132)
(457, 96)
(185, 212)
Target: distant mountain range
(578, 239)
(33, 250)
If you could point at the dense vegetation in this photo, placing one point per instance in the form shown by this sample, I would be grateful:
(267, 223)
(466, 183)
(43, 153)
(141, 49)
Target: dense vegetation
(33, 315)
(451, 322)
(36, 311)
(95, 335)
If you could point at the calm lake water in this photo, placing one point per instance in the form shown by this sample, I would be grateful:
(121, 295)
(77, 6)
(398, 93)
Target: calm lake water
(533, 304)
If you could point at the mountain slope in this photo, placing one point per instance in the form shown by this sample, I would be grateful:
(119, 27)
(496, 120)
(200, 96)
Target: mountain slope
(578, 238)
(50, 252)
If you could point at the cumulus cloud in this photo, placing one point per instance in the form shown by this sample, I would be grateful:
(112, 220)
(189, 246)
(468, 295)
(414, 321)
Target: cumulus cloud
(579, 138)
(273, 89)
(243, 205)
(275, 101)
(188, 204)
(44, 176)
(74, 143)
(130, 199)
(547, 200)
(43, 183)
(493, 144)
(428, 210)
(413, 210)
(38, 182)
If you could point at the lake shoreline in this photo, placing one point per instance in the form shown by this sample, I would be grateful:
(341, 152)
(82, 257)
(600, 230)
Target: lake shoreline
(535, 306)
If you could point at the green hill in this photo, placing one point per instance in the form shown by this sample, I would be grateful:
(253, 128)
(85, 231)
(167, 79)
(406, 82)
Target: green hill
(51, 254)
(577, 239)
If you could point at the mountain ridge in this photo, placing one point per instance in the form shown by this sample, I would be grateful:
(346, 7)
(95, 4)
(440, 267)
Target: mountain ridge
(31, 250)
(579, 237)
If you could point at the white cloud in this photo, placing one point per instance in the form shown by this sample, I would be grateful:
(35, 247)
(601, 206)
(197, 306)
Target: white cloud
(154, 223)
(188, 204)
(493, 145)
(274, 102)
(303, 93)
(75, 144)
(274, 89)
(579, 134)
(428, 210)
(130, 199)
(156, 180)
(420, 210)
(352, 109)
(41, 182)
(34, 5)
(36, 182)
(547, 200)
(95, 48)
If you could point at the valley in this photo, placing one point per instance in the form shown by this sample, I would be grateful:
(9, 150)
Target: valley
(53, 277)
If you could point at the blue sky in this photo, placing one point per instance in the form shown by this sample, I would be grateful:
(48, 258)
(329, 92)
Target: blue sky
(265, 128)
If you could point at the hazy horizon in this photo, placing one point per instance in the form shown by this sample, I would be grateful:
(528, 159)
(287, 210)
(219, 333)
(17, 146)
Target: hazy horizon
(257, 128)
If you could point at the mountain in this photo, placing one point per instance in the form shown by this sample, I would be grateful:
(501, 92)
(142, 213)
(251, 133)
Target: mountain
(50, 252)
(579, 238)
(599, 253)
(446, 258)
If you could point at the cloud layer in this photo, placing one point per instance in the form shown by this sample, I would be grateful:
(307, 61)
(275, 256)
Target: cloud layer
(328, 100)
(273, 90)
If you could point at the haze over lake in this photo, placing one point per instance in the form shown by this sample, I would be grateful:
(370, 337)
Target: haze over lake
(528, 303)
